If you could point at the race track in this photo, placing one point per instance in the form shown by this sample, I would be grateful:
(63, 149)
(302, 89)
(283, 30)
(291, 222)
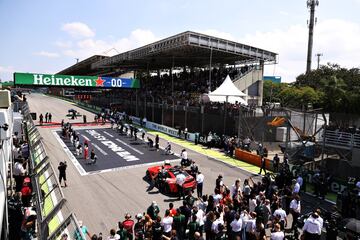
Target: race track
(106, 191)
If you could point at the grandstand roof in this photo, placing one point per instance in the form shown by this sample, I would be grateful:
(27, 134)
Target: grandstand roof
(83, 67)
(186, 49)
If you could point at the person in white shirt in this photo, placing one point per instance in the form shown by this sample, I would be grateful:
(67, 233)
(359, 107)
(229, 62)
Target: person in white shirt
(19, 173)
(250, 225)
(295, 209)
(200, 182)
(278, 234)
(200, 218)
(236, 226)
(180, 180)
(282, 214)
(252, 204)
(167, 223)
(215, 224)
(320, 219)
(312, 228)
(235, 188)
(300, 180)
(296, 188)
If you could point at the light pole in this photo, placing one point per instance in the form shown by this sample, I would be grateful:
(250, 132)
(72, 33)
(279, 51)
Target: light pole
(311, 4)
(318, 55)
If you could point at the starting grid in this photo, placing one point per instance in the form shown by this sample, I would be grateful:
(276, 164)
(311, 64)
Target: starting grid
(114, 151)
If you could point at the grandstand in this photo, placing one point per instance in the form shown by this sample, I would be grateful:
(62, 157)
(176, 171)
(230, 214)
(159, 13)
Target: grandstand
(186, 50)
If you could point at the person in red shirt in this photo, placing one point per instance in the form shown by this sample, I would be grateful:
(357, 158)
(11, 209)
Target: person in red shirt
(26, 192)
(172, 210)
(86, 153)
(128, 224)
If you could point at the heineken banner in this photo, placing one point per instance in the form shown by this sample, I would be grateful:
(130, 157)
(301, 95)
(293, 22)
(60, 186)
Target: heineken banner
(74, 81)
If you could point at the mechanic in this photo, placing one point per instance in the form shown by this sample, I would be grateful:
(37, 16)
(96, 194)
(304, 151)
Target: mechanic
(193, 169)
(180, 180)
(199, 184)
(161, 179)
(168, 149)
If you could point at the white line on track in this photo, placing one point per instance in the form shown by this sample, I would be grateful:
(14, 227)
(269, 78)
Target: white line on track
(85, 137)
(108, 134)
(134, 149)
(99, 149)
(70, 155)
(128, 167)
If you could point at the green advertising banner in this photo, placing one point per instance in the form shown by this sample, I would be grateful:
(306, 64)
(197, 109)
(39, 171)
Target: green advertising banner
(74, 81)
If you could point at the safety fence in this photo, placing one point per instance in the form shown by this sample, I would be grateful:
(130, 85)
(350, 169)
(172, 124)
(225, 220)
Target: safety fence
(54, 218)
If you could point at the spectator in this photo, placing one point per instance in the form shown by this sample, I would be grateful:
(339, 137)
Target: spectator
(167, 223)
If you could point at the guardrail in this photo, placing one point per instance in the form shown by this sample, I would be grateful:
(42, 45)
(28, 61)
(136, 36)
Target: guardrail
(342, 139)
(54, 218)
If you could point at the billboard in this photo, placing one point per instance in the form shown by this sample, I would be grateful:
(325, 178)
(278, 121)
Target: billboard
(50, 80)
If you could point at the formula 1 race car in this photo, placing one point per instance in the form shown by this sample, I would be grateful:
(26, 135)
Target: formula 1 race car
(166, 181)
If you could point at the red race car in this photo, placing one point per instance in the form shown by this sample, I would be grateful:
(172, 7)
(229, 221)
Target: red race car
(166, 182)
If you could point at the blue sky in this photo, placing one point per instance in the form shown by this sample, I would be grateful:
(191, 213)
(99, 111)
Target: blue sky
(47, 36)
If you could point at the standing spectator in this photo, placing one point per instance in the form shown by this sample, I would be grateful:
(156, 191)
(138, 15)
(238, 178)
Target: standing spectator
(172, 209)
(276, 161)
(122, 232)
(236, 226)
(153, 210)
(26, 192)
(128, 224)
(84, 230)
(262, 165)
(167, 223)
(277, 234)
(157, 229)
(86, 152)
(113, 235)
(179, 224)
(312, 227)
(295, 209)
(41, 119)
(200, 183)
(282, 214)
(296, 188)
(62, 172)
(157, 142)
(219, 182)
(193, 227)
(19, 173)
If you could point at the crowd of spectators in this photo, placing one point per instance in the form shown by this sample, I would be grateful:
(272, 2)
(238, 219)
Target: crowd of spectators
(187, 85)
(248, 210)
(21, 211)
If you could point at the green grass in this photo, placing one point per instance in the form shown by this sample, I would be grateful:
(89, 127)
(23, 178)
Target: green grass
(329, 196)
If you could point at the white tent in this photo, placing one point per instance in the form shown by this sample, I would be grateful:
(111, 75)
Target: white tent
(227, 92)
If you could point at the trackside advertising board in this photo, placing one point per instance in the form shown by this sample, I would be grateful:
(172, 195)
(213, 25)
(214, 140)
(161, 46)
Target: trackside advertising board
(50, 80)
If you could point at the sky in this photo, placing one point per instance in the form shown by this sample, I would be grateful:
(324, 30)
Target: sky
(47, 36)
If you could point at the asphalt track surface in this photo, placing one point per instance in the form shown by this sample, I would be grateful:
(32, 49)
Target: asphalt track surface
(115, 151)
(101, 200)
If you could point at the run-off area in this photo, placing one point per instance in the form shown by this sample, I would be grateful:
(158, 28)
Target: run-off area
(114, 151)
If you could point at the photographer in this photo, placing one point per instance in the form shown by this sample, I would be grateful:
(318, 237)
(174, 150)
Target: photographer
(62, 172)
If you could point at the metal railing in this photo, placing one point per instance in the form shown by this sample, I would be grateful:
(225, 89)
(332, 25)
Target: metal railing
(342, 139)
(54, 218)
